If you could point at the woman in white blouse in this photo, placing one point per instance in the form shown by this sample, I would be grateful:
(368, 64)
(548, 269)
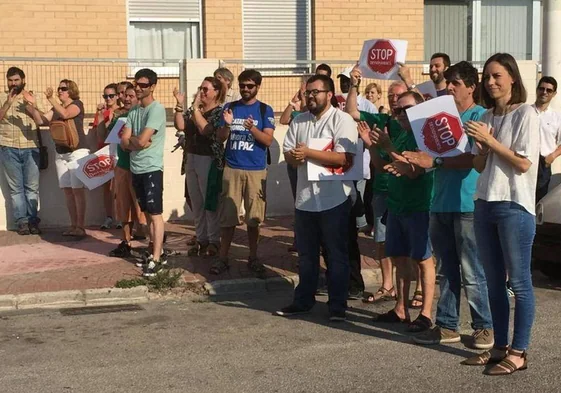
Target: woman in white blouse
(506, 154)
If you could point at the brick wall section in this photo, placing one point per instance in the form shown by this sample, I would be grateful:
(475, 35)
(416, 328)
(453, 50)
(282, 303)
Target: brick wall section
(341, 27)
(64, 28)
(222, 29)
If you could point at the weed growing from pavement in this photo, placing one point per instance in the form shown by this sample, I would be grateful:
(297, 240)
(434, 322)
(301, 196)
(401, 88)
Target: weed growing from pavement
(163, 281)
(130, 283)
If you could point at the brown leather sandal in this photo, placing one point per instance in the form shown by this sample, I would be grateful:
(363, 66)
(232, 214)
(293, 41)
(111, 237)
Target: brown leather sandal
(382, 294)
(507, 366)
(486, 358)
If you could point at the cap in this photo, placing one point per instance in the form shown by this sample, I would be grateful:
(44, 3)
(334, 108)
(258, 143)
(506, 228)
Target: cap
(346, 72)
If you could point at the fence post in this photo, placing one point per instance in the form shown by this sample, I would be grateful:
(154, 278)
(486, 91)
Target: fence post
(183, 79)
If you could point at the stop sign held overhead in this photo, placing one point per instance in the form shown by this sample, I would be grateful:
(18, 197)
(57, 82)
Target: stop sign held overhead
(379, 58)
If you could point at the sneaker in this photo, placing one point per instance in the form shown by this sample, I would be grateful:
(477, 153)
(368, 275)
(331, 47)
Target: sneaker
(483, 339)
(107, 223)
(337, 316)
(355, 294)
(291, 310)
(34, 229)
(23, 229)
(152, 268)
(119, 225)
(322, 291)
(147, 258)
(123, 250)
(437, 335)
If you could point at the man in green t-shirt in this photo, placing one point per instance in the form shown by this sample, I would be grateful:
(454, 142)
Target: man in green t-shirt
(144, 136)
(409, 199)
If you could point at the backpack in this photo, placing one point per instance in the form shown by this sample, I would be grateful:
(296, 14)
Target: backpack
(64, 133)
(262, 110)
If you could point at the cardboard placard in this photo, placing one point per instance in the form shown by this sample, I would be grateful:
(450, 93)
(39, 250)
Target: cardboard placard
(427, 89)
(319, 172)
(117, 131)
(97, 168)
(379, 58)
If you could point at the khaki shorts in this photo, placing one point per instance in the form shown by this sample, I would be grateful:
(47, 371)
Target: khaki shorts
(241, 185)
(128, 209)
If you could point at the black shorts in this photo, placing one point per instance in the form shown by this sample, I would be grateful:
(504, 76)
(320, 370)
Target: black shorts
(149, 188)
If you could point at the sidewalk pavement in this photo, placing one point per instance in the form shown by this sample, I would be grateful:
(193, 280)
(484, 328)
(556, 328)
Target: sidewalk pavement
(51, 262)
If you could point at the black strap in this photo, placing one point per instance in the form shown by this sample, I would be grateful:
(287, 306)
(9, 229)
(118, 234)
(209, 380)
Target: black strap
(39, 137)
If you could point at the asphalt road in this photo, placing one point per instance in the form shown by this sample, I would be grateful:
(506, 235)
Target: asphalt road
(239, 346)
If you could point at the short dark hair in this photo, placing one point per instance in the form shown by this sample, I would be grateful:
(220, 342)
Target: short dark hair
(464, 71)
(506, 60)
(250, 75)
(328, 83)
(548, 79)
(445, 58)
(112, 86)
(148, 74)
(15, 71)
(324, 67)
(127, 85)
(416, 96)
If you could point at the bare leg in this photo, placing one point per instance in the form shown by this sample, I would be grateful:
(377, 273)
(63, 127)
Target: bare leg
(253, 238)
(108, 199)
(71, 206)
(80, 197)
(157, 223)
(428, 280)
(127, 232)
(403, 278)
(226, 236)
(386, 266)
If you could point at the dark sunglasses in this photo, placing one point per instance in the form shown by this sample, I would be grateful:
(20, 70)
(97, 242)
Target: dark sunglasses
(400, 111)
(205, 89)
(142, 85)
(546, 89)
(62, 88)
(106, 96)
(248, 86)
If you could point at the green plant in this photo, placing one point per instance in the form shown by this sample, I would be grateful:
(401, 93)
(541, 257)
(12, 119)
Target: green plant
(165, 279)
(130, 283)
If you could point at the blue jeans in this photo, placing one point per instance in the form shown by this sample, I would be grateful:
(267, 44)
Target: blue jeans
(453, 241)
(329, 228)
(21, 169)
(505, 233)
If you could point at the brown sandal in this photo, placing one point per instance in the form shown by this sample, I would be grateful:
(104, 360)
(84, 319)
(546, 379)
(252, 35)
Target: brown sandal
(382, 294)
(417, 297)
(219, 266)
(507, 366)
(485, 358)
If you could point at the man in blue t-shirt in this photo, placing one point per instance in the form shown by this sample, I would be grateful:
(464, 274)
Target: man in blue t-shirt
(451, 226)
(247, 128)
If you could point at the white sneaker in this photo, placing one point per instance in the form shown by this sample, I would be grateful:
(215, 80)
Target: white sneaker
(107, 223)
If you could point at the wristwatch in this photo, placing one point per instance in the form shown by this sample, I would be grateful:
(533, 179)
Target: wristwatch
(437, 162)
(413, 86)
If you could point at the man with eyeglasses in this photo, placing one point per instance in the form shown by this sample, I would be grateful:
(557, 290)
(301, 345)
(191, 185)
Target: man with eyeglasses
(247, 127)
(322, 207)
(144, 136)
(550, 132)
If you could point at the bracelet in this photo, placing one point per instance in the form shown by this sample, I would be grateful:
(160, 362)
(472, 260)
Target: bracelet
(356, 86)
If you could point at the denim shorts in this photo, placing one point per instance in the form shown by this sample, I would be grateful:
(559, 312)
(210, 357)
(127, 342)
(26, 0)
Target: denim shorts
(379, 207)
(408, 236)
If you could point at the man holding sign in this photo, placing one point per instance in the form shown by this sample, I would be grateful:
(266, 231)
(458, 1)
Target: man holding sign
(451, 226)
(322, 207)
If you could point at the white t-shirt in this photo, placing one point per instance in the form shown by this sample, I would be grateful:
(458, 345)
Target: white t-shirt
(317, 196)
(550, 130)
(500, 181)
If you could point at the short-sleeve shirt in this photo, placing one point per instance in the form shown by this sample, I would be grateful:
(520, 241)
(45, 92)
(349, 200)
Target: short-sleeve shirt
(153, 116)
(407, 195)
(242, 150)
(79, 122)
(550, 130)
(195, 142)
(17, 128)
(317, 196)
(454, 188)
(123, 157)
(500, 181)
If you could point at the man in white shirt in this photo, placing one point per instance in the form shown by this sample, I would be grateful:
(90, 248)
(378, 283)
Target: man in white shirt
(550, 132)
(322, 207)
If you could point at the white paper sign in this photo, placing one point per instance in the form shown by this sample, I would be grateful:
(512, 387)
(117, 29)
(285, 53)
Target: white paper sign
(428, 90)
(379, 58)
(318, 172)
(117, 130)
(97, 168)
(438, 128)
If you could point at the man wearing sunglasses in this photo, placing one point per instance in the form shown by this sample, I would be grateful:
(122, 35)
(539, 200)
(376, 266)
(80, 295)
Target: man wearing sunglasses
(550, 132)
(323, 208)
(144, 136)
(247, 127)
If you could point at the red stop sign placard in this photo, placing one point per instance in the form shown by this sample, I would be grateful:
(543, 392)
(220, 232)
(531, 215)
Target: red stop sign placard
(382, 57)
(442, 132)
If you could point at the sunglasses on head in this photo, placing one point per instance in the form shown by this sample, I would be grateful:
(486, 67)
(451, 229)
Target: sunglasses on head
(107, 96)
(204, 89)
(248, 86)
(400, 111)
(142, 85)
(545, 89)
(63, 88)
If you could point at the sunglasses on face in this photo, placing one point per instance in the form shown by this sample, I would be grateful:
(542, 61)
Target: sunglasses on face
(142, 85)
(401, 111)
(62, 88)
(314, 92)
(108, 96)
(248, 86)
(545, 89)
(205, 89)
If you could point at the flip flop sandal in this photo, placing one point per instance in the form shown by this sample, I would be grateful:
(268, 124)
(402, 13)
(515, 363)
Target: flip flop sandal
(420, 324)
(381, 295)
(417, 297)
(389, 317)
(219, 266)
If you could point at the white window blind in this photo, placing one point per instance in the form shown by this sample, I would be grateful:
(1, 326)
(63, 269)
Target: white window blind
(165, 10)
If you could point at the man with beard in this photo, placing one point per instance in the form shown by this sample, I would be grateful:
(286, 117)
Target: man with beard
(439, 62)
(550, 132)
(19, 153)
(322, 208)
(247, 128)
